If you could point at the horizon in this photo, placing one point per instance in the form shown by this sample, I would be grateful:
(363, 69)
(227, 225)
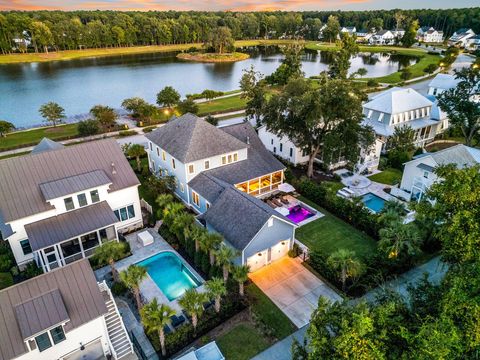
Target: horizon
(226, 5)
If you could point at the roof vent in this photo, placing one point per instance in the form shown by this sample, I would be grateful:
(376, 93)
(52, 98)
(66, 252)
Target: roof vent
(114, 171)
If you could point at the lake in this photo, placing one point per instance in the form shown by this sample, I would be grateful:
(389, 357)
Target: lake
(79, 84)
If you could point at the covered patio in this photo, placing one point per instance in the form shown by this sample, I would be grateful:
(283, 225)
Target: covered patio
(261, 185)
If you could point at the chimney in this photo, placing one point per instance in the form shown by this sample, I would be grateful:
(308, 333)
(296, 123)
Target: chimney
(114, 171)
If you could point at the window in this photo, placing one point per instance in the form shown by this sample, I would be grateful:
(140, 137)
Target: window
(235, 157)
(69, 205)
(291, 152)
(271, 141)
(43, 341)
(425, 174)
(173, 163)
(182, 189)
(281, 147)
(158, 151)
(125, 213)
(26, 248)
(130, 211)
(224, 160)
(191, 169)
(195, 198)
(229, 159)
(57, 334)
(82, 200)
(94, 196)
(274, 149)
(150, 146)
(207, 164)
(153, 165)
(369, 115)
(207, 204)
(164, 156)
(380, 117)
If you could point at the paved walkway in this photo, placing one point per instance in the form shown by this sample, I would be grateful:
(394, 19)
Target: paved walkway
(293, 288)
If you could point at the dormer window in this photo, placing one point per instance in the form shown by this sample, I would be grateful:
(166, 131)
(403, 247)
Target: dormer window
(235, 157)
(69, 205)
(380, 117)
(164, 156)
(158, 151)
(82, 200)
(207, 164)
(94, 196)
(45, 340)
(370, 112)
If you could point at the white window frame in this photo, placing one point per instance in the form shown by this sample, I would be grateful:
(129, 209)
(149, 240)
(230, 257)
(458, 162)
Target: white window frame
(191, 166)
(195, 195)
(173, 164)
(158, 151)
(206, 164)
(164, 155)
(182, 188)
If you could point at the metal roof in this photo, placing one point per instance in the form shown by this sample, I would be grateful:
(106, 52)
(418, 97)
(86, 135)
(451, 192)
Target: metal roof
(41, 313)
(55, 229)
(397, 100)
(73, 184)
(46, 145)
(383, 129)
(20, 177)
(444, 81)
(80, 294)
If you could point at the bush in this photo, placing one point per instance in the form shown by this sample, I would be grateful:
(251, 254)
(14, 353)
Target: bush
(149, 129)
(88, 127)
(372, 83)
(5, 262)
(188, 106)
(127, 133)
(212, 120)
(295, 251)
(119, 288)
(192, 49)
(6, 280)
(31, 270)
(397, 158)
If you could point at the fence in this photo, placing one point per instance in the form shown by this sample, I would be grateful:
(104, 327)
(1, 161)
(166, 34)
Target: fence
(145, 205)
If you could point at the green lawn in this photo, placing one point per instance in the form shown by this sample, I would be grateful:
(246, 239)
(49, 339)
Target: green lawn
(329, 234)
(242, 342)
(388, 176)
(232, 103)
(367, 48)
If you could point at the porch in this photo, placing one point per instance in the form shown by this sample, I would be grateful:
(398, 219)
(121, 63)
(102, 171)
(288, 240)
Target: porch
(262, 185)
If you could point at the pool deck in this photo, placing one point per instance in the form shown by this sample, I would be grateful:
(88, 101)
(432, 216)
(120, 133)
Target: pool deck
(292, 201)
(148, 288)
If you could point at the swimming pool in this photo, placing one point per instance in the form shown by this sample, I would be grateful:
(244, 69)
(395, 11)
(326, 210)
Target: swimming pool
(170, 274)
(373, 202)
(299, 213)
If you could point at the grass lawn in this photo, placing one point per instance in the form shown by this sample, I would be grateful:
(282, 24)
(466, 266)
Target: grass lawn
(242, 342)
(33, 137)
(231, 103)
(366, 48)
(388, 176)
(329, 234)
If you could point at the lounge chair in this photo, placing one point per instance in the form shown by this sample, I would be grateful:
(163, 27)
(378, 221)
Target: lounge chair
(177, 320)
(207, 305)
(271, 204)
(284, 200)
(277, 202)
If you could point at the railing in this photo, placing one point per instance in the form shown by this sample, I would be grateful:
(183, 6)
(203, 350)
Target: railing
(145, 205)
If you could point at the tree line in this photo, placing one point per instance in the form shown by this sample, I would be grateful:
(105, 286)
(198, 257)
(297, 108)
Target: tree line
(61, 30)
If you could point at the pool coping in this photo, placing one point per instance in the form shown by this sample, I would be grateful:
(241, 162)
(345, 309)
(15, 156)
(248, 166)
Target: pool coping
(369, 209)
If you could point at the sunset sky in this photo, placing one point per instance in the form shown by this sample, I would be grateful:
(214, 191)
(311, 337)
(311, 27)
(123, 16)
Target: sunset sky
(239, 5)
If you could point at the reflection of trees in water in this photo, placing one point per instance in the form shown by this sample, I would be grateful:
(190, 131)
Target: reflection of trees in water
(326, 57)
(369, 58)
(402, 60)
(310, 55)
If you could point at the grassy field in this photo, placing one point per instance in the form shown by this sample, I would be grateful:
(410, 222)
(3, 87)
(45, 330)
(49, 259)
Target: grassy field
(242, 342)
(329, 233)
(388, 176)
(231, 103)
(367, 48)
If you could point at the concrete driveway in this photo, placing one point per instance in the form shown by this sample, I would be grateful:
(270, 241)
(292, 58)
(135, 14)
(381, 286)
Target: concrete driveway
(293, 288)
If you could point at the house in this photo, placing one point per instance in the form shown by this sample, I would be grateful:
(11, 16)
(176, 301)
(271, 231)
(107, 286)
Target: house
(473, 43)
(350, 30)
(460, 37)
(398, 33)
(63, 314)
(58, 203)
(418, 174)
(429, 35)
(441, 83)
(221, 174)
(382, 37)
(363, 35)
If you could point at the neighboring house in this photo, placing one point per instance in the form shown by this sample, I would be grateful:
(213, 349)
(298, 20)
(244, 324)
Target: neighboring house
(441, 83)
(382, 37)
(351, 30)
(474, 43)
(63, 314)
(58, 203)
(429, 35)
(460, 37)
(363, 35)
(398, 33)
(220, 173)
(418, 174)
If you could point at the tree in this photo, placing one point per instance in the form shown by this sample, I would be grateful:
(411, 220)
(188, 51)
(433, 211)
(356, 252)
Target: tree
(188, 106)
(216, 289)
(403, 139)
(170, 212)
(209, 94)
(88, 127)
(361, 72)
(139, 108)
(460, 105)
(406, 74)
(52, 113)
(41, 35)
(253, 90)
(332, 29)
(225, 255)
(192, 302)
(290, 68)
(392, 211)
(325, 121)
(340, 64)
(155, 317)
(209, 243)
(410, 36)
(181, 222)
(104, 115)
(345, 262)
(108, 253)
(163, 200)
(240, 275)
(168, 97)
(211, 120)
(220, 40)
(134, 151)
(399, 240)
(132, 277)
(5, 128)
(430, 68)
(159, 184)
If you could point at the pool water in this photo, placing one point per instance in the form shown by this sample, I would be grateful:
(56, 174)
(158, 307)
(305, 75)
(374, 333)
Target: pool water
(373, 202)
(299, 213)
(170, 274)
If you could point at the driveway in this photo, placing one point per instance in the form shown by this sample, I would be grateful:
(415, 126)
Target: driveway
(293, 288)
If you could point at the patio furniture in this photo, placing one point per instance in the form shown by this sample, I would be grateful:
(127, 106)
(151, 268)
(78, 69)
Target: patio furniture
(277, 202)
(187, 315)
(207, 305)
(271, 204)
(177, 320)
(145, 238)
(284, 200)
(167, 330)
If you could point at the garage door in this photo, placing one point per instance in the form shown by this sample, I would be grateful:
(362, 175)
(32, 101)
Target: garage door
(257, 261)
(280, 250)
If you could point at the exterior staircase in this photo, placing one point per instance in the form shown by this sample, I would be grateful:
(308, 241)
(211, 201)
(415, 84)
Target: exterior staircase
(120, 343)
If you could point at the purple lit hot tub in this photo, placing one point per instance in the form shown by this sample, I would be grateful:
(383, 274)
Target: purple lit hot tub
(298, 214)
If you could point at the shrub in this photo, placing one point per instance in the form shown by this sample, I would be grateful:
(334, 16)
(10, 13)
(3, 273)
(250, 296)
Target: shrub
(127, 133)
(372, 83)
(212, 120)
(88, 127)
(31, 270)
(6, 280)
(188, 106)
(295, 251)
(192, 49)
(149, 129)
(398, 158)
(5, 262)
(119, 288)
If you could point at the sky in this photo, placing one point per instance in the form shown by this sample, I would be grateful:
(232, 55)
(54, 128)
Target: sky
(234, 5)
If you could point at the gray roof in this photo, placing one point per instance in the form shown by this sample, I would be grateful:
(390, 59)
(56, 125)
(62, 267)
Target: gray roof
(444, 81)
(80, 294)
(40, 313)
(20, 177)
(397, 100)
(67, 225)
(238, 216)
(208, 186)
(461, 155)
(46, 145)
(72, 184)
(189, 138)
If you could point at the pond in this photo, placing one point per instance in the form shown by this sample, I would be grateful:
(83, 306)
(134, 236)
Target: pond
(79, 84)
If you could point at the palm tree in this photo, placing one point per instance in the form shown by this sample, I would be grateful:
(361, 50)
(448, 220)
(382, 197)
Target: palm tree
(216, 289)
(196, 233)
(392, 211)
(155, 317)
(192, 301)
(171, 211)
(108, 253)
(398, 239)
(209, 243)
(225, 256)
(240, 274)
(345, 262)
(132, 277)
(181, 222)
(134, 151)
(163, 200)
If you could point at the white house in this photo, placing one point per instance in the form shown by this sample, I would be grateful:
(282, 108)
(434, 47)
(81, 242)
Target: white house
(460, 37)
(429, 35)
(350, 30)
(473, 43)
(64, 314)
(441, 83)
(418, 174)
(363, 35)
(382, 37)
(58, 203)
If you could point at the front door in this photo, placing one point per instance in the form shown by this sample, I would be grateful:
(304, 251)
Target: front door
(51, 258)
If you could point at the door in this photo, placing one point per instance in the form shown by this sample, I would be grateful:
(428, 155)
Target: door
(280, 250)
(51, 257)
(258, 260)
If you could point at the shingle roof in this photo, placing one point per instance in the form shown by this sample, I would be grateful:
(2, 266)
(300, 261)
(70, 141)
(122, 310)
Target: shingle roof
(444, 81)
(40, 313)
(189, 138)
(67, 225)
(72, 184)
(79, 290)
(397, 100)
(461, 155)
(46, 145)
(20, 177)
(208, 186)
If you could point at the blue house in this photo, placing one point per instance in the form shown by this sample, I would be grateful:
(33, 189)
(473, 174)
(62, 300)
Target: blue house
(221, 174)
